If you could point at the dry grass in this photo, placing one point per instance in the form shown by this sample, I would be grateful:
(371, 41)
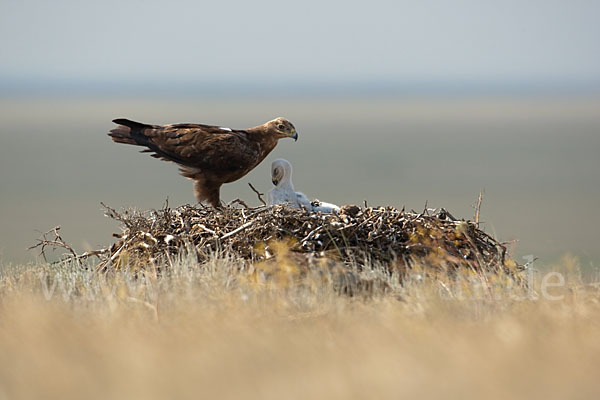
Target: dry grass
(225, 329)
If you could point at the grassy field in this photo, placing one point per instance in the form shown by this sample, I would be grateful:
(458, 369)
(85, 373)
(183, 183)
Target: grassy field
(228, 330)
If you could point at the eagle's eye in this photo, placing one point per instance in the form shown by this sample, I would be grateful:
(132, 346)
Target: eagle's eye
(280, 127)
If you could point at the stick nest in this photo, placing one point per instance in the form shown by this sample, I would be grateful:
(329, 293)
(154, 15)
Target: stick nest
(386, 236)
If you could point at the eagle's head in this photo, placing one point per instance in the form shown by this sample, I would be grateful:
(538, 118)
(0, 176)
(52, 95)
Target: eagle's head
(281, 171)
(282, 128)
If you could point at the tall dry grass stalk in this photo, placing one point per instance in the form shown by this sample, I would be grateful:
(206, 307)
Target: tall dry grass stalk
(229, 330)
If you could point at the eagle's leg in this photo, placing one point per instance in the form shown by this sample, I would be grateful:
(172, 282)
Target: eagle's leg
(205, 191)
(214, 198)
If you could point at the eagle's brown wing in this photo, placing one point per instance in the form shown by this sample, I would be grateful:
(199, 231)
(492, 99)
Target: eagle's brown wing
(197, 146)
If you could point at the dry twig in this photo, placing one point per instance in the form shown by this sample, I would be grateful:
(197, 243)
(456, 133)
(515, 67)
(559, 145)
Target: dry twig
(258, 194)
(56, 241)
(478, 208)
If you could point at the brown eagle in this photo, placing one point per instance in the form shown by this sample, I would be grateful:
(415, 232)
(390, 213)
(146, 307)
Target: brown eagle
(209, 155)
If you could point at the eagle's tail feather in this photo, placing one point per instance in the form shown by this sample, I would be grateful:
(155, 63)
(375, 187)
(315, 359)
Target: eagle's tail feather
(131, 124)
(138, 134)
(122, 134)
(128, 132)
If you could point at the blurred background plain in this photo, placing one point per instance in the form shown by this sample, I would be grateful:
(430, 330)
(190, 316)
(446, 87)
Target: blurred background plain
(396, 103)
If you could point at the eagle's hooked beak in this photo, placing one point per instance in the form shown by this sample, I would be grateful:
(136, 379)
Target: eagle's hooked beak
(295, 136)
(276, 176)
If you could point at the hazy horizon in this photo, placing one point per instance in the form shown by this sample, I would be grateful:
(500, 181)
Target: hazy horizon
(132, 88)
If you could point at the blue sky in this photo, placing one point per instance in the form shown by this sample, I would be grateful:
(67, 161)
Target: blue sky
(481, 41)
